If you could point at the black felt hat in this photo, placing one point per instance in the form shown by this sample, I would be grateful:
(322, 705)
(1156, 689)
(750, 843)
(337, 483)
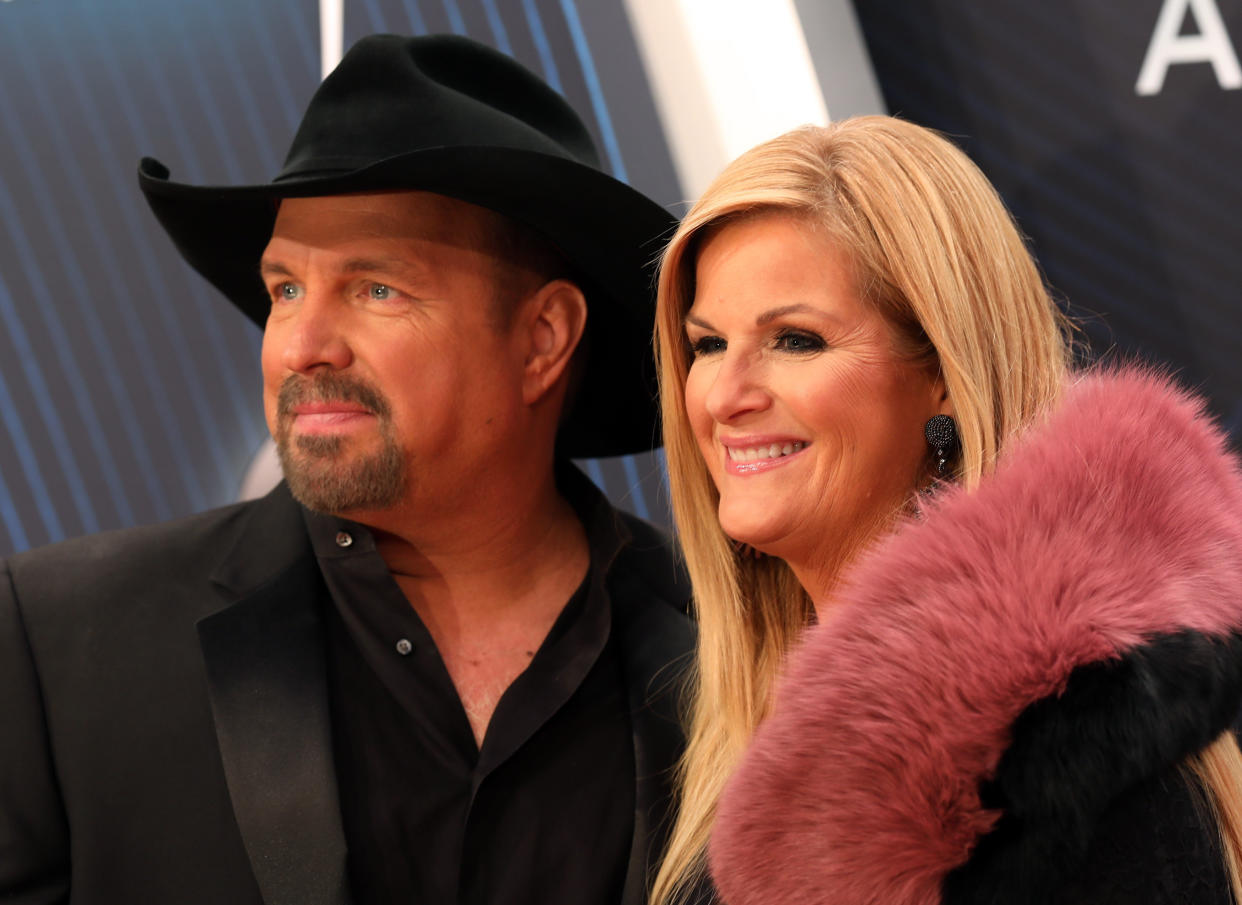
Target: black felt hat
(448, 115)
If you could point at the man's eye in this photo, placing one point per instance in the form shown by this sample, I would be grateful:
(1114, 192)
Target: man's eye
(707, 345)
(380, 292)
(797, 341)
(286, 291)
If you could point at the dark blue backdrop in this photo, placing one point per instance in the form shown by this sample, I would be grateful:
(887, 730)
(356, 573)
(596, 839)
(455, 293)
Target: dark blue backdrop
(1130, 200)
(129, 390)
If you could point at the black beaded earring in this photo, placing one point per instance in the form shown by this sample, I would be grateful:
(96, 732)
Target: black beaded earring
(941, 434)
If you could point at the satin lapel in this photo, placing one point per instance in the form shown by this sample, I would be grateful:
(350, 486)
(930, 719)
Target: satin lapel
(657, 645)
(266, 674)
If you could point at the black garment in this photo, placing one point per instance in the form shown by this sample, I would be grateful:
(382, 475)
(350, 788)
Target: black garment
(1156, 845)
(1006, 689)
(544, 811)
(1168, 820)
(164, 704)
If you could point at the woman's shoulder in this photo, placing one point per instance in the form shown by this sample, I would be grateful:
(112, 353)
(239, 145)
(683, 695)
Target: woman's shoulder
(1113, 740)
(1158, 843)
(1071, 630)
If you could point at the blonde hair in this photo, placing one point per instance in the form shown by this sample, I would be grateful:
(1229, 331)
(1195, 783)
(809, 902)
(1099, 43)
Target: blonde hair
(935, 251)
(1216, 771)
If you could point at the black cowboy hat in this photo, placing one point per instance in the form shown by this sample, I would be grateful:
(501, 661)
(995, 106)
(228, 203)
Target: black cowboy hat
(448, 115)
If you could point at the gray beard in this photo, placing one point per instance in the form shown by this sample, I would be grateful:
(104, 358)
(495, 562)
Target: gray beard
(318, 470)
(319, 480)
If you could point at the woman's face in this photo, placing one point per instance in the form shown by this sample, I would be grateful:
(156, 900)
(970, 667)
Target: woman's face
(809, 421)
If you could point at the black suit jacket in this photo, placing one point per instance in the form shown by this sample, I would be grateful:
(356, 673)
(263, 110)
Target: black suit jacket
(164, 726)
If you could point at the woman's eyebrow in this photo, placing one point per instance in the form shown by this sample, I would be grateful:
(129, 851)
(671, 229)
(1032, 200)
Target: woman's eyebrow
(773, 313)
(768, 316)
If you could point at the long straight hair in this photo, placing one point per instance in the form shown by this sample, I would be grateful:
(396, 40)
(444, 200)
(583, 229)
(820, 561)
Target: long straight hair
(1217, 772)
(937, 254)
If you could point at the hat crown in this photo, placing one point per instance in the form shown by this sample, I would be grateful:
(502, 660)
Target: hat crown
(445, 114)
(392, 95)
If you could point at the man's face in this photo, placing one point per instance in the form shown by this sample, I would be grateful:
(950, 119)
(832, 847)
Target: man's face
(388, 379)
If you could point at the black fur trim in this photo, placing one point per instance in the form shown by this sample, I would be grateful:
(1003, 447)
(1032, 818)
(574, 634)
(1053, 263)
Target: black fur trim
(1117, 724)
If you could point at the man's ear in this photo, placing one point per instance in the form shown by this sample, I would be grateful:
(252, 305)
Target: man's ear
(555, 319)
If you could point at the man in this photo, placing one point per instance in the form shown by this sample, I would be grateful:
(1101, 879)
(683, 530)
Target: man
(434, 665)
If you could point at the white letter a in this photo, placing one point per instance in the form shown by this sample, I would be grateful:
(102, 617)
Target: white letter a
(1210, 45)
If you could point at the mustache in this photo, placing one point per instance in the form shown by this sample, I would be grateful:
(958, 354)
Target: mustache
(329, 387)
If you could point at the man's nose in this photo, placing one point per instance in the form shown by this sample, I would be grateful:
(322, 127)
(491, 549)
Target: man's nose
(313, 335)
(739, 388)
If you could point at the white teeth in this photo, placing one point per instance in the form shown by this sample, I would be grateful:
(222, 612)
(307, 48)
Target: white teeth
(755, 453)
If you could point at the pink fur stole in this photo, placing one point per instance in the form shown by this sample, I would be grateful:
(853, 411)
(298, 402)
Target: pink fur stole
(1117, 520)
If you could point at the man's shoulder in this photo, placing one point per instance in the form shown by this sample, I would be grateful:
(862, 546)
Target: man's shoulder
(650, 564)
(179, 552)
(141, 543)
(651, 601)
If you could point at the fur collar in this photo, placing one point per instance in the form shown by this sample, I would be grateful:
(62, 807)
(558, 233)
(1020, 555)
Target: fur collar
(1069, 626)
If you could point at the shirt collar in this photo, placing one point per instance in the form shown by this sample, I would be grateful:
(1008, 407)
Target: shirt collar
(334, 537)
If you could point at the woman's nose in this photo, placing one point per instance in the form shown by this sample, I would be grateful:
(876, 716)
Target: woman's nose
(739, 388)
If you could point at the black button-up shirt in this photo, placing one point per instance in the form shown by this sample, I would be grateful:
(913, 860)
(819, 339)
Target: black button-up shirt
(543, 811)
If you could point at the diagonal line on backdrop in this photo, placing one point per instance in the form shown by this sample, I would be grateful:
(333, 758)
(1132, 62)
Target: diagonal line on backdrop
(456, 22)
(498, 27)
(540, 37)
(598, 104)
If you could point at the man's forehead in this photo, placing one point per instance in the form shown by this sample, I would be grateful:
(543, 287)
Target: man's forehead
(388, 218)
(396, 204)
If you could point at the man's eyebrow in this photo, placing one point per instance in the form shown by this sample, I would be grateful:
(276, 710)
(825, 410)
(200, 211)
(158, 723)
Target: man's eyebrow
(397, 265)
(389, 264)
(273, 269)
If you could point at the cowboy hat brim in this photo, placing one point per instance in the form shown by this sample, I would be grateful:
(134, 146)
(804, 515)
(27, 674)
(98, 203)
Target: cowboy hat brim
(610, 233)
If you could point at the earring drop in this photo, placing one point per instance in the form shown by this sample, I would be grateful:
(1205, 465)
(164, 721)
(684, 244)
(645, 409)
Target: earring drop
(941, 434)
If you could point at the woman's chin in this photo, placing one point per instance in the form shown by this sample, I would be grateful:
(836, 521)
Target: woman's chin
(768, 539)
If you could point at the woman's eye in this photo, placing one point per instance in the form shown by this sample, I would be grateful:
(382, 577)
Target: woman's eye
(797, 341)
(706, 345)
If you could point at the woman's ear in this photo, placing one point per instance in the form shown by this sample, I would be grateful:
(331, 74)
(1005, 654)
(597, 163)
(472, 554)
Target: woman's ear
(946, 406)
(556, 318)
(941, 403)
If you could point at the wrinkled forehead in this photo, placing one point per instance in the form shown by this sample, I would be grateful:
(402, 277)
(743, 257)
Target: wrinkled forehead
(397, 215)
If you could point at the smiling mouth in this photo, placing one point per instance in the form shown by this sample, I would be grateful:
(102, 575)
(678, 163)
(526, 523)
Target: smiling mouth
(325, 420)
(329, 416)
(742, 455)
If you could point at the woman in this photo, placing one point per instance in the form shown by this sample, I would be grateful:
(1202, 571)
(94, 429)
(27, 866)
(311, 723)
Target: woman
(1025, 649)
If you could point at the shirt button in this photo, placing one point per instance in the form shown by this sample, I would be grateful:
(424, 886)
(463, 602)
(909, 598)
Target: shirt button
(404, 647)
(343, 539)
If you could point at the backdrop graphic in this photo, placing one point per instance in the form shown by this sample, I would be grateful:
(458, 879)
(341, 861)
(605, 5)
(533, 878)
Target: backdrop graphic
(1129, 193)
(129, 390)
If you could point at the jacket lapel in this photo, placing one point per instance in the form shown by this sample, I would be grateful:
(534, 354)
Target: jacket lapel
(657, 642)
(266, 674)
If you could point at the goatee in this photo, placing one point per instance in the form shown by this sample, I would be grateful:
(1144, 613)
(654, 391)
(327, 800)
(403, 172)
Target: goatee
(322, 472)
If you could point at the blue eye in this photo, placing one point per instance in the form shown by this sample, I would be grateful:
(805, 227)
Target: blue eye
(799, 341)
(707, 345)
(287, 291)
(380, 292)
